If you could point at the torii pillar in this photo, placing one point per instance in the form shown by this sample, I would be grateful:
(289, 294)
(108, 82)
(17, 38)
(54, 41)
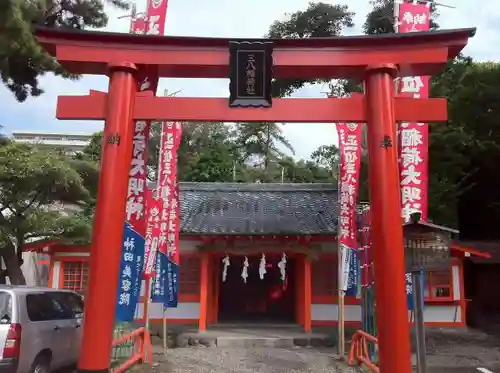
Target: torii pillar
(385, 201)
(109, 216)
(374, 59)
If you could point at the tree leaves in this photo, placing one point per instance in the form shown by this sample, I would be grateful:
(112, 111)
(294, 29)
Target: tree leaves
(22, 60)
(37, 188)
(28, 173)
(464, 152)
(261, 140)
(319, 20)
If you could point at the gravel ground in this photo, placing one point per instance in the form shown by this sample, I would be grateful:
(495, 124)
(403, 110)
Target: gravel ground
(262, 360)
(448, 351)
(462, 348)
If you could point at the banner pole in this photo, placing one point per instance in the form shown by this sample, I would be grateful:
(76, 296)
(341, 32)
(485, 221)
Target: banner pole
(341, 331)
(165, 330)
(147, 296)
(349, 148)
(418, 300)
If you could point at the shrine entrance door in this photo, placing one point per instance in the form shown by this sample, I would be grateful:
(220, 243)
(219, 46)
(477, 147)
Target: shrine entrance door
(266, 300)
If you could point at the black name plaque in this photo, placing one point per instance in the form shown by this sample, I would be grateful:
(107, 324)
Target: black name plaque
(251, 71)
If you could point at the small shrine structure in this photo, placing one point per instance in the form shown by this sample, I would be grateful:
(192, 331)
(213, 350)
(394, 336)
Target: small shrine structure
(234, 221)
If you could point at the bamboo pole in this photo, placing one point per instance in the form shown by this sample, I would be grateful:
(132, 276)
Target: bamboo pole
(165, 345)
(341, 294)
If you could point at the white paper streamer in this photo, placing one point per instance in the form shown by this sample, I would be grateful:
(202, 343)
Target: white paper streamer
(262, 267)
(244, 271)
(227, 262)
(282, 267)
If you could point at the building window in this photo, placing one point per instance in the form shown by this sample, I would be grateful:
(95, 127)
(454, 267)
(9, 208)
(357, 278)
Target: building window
(324, 276)
(189, 275)
(438, 285)
(75, 276)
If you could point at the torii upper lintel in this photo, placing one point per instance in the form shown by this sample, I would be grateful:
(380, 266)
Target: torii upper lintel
(89, 52)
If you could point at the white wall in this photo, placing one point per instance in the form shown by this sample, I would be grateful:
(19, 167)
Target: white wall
(36, 274)
(432, 313)
(184, 310)
(330, 312)
(319, 312)
(441, 313)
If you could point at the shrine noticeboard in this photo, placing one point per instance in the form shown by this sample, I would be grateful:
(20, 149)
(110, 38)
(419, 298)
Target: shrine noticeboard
(251, 72)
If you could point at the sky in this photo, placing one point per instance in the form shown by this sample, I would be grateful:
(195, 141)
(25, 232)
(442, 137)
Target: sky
(238, 19)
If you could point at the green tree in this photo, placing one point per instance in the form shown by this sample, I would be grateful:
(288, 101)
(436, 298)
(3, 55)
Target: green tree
(328, 157)
(302, 171)
(22, 60)
(319, 20)
(464, 152)
(261, 143)
(36, 187)
(207, 153)
(92, 152)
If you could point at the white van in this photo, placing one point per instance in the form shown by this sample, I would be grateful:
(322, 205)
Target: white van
(40, 329)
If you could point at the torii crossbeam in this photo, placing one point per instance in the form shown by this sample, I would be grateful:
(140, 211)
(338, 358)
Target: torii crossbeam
(375, 59)
(309, 110)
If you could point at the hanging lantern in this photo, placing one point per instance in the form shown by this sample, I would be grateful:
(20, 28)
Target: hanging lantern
(262, 267)
(427, 245)
(282, 267)
(244, 271)
(226, 263)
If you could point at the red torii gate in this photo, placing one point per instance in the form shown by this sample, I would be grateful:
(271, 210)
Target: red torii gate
(375, 59)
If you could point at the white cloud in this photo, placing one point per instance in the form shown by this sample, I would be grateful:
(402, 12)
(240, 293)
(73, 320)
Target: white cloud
(246, 19)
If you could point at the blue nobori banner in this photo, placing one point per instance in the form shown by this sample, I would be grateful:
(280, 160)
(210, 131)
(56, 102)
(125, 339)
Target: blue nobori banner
(165, 285)
(172, 284)
(350, 271)
(353, 274)
(131, 265)
(409, 289)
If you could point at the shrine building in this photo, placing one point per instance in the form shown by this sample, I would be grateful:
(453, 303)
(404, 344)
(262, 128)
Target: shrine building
(236, 224)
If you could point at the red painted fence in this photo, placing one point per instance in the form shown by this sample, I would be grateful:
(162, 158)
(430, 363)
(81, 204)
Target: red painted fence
(359, 354)
(141, 351)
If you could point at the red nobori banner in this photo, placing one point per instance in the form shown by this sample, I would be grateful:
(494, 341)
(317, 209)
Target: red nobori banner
(161, 199)
(413, 137)
(152, 24)
(154, 214)
(136, 198)
(156, 15)
(168, 189)
(163, 203)
(138, 26)
(350, 153)
(414, 17)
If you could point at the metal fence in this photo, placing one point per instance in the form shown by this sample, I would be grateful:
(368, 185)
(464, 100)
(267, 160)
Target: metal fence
(122, 352)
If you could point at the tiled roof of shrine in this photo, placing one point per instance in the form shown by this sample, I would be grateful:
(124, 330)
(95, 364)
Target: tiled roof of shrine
(258, 209)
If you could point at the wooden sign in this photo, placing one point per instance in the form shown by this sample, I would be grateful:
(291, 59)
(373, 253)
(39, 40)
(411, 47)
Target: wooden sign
(251, 65)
